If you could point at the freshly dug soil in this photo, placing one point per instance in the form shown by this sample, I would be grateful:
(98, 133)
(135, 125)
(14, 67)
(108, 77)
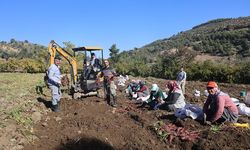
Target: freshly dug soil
(91, 124)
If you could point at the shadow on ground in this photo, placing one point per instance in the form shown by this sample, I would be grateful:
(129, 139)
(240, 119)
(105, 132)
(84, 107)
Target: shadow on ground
(85, 143)
(47, 103)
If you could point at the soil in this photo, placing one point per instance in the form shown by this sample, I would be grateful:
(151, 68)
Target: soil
(90, 123)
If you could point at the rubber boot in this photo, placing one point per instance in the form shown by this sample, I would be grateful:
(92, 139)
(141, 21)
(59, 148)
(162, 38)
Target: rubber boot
(113, 104)
(59, 103)
(55, 108)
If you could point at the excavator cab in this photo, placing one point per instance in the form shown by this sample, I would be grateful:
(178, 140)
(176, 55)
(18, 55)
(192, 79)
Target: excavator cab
(92, 65)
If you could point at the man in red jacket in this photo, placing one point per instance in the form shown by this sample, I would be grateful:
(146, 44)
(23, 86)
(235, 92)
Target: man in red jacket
(219, 107)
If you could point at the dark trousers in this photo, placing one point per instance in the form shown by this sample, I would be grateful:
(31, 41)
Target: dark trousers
(227, 116)
(110, 96)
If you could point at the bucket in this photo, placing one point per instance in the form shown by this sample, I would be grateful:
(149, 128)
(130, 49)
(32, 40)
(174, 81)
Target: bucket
(242, 93)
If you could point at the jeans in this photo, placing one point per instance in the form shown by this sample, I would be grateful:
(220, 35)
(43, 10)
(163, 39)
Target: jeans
(56, 94)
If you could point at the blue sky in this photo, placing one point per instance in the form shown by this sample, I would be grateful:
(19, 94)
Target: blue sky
(126, 23)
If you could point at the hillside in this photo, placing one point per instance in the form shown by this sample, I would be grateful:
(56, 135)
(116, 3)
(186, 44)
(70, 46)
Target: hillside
(222, 41)
(21, 49)
(23, 56)
(221, 37)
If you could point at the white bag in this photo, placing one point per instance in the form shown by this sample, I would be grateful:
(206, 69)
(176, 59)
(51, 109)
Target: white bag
(190, 110)
(247, 98)
(243, 109)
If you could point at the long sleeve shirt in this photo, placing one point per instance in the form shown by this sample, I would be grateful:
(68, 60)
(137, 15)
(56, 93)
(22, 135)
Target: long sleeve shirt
(176, 99)
(108, 73)
(218, 103)
(95, 63)
(156, 96)
(143, 89)
(54, 75)
(181, 76)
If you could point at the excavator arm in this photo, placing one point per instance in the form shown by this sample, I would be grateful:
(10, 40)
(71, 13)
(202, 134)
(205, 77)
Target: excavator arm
(53, 48)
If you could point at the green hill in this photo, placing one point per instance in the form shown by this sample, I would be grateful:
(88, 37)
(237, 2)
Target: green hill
(22, 49)
(23, 56)
(220, 37)
(222, 41)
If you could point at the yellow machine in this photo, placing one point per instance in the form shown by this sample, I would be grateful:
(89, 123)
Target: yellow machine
(81, 86)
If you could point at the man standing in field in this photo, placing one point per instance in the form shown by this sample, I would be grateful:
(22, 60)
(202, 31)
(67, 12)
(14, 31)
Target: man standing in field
(181, 79)
(109, 85)
(54, 82)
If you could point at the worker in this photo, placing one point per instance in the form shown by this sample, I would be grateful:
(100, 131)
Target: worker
(156, 98)
(175, 99)
(219, 107)
(94, 67)
(85, 68)
(54, 83)
(181, 79)
(143, 90)
(133, 86)
(95, 63)
(109, 85)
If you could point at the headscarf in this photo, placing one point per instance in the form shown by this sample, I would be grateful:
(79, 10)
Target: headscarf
(172, 86)
(154, 89)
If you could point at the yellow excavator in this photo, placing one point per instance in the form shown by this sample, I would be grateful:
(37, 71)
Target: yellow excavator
(80, 85)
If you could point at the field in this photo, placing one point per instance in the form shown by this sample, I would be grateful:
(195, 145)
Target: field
(27, 123)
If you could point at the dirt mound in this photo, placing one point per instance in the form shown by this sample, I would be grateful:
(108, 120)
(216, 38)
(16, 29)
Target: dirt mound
(92, 124)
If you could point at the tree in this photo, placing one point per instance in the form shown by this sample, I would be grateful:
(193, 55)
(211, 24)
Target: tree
(5, 55)
(69, 47)
(113, 52)
(12, 40)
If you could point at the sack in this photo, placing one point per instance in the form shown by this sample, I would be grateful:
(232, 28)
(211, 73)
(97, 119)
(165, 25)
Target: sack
(247, 98)
(190, 110)
(243, 109)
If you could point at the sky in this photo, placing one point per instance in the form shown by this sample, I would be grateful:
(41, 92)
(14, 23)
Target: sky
(127, 23)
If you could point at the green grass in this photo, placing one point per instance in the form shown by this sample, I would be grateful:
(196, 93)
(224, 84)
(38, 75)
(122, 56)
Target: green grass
(215, 128)
(18, 96)
(18, 85)
(2, 125)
